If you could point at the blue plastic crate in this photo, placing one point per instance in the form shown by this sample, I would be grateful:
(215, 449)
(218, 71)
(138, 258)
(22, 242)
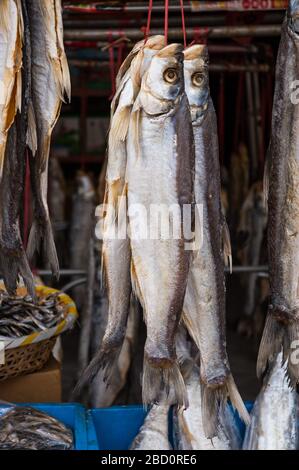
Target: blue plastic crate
(115, 428)
(71, 414)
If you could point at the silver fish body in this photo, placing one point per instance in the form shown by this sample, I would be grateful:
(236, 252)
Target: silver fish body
(282, 177)
(50, 81)
(153, 434)
(189, 429)
(204, 305)
(160, 164)
(116, 251)
(274, 417)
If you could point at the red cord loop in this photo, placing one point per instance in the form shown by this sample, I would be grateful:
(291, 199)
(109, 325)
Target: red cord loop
(166, 23)
(148, 24)
(183, 23)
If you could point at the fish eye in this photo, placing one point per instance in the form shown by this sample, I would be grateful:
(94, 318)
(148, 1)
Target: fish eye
(170, 75)
(198, 79)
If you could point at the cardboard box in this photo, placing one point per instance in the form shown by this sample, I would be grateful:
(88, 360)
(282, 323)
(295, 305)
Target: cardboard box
(40, 387)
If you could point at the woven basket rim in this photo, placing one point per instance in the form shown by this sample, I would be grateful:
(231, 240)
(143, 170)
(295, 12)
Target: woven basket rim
(65, 324)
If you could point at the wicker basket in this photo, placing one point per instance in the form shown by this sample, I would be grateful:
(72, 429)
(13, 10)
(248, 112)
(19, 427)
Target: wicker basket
(26, 359)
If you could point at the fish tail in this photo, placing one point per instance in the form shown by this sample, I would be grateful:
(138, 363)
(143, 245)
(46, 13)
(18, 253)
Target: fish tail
(41, 235)
(215, 399)
(211, 400)
(271, 343)
(104, 360)
(236, 399)
(11, 267)
(170, 380)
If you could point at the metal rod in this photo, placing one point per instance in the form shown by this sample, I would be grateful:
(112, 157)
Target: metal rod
(211, 32)
(248, 269)
(189, 6)
(73, 284)
(62, 272)
(225, 67)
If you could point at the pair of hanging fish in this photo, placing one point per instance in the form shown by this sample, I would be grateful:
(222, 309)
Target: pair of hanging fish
(163, 149)
(34, 78)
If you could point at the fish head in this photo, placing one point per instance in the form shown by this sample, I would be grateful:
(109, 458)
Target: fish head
(142, 60)
(293, 15)
(164, 79)
(196, 73)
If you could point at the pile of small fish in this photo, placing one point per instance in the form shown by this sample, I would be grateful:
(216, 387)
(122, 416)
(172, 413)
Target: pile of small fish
(20, 316)
(163, 149)
(34, 78)
(29, 429)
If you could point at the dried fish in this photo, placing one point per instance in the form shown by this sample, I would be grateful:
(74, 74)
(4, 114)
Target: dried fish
(282, 180)
(28, 428)
(160, 149)
(19, 316)
(50, 82)
(204, 305)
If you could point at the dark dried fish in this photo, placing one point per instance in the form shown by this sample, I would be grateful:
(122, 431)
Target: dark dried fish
(28, 428)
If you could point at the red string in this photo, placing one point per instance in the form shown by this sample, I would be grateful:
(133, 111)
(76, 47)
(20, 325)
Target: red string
(166, 23)
(183, 23)
(26, 201)
(148, 24)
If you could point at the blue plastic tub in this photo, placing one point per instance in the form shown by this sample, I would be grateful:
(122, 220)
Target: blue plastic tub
(115, 428)
(71, 414)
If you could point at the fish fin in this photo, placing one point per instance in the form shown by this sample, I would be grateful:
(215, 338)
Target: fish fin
(12, 266)
(135, 285)
(41, 235)
(135, 116)
(236, 399)
(102, 361)
(135, 72)
(66, 78)
(31, 131)
(227, 249)
(170, 380)
(266, 179)
(211, 397)
(185, 428)
(4, 15)
(119, 128)
(271, 343)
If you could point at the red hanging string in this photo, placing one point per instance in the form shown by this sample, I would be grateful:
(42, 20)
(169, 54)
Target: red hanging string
(148, 24)
(166, 22)
(183, 23)
(26, 201)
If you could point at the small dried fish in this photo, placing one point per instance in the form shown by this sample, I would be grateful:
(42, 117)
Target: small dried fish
(19, 316)
(27, 428)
